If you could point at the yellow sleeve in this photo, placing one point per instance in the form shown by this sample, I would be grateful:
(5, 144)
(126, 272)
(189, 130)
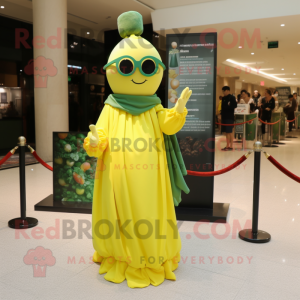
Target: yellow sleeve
(102, 129)
(169, 120)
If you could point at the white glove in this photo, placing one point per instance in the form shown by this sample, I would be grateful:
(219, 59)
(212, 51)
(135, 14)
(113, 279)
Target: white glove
(93, 135)
(181, 102)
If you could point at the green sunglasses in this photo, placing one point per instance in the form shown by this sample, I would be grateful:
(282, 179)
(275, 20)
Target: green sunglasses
(126, 65)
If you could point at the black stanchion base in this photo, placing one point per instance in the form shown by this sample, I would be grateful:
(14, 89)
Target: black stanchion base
(291, 137)
(271, 146)
(278, 143)
(19, 223)
(248, 236)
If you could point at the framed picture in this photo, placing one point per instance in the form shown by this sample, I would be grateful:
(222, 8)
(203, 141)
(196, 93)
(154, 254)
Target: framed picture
(73, 170)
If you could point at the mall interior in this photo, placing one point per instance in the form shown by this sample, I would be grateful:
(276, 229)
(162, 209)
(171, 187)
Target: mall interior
(237, 225)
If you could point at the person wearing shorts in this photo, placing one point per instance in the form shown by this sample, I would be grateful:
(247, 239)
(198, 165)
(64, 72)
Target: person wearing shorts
(228, 106)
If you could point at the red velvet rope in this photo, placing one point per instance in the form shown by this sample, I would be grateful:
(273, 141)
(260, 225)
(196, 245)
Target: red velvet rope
(236, 123)
(283, 169)
(269, 123)
(5, 158)
(41, 161)
(214, 173)
(291, 120)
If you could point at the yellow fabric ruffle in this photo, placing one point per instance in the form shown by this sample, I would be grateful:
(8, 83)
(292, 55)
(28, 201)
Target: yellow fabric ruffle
(100, 148)
(117, 271)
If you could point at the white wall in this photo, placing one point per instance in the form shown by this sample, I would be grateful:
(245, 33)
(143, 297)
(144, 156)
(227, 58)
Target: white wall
(217, 12)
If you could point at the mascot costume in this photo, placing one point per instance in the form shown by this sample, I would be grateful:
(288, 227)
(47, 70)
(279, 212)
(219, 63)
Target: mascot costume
(139, 175)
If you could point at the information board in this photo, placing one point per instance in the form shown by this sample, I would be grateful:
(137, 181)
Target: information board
(191, 62)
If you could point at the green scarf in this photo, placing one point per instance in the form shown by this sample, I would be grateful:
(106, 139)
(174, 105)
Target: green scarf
(136, 105)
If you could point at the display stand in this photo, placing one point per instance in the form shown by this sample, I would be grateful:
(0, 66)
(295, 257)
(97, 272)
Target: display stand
(270, 137)
(297, 115)
(276, 135)
(297, 121)
(248, 135)
(48, 204)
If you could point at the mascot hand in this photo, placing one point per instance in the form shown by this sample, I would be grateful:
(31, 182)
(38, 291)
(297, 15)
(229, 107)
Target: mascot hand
(184, 97)
(94, 138)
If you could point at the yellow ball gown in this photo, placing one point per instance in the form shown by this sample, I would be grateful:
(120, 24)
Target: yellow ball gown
(134, 228)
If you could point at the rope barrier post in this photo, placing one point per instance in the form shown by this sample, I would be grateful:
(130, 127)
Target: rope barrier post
(254, 235)
(23, 222)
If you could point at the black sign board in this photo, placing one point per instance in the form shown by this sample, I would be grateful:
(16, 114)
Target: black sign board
(191, 62)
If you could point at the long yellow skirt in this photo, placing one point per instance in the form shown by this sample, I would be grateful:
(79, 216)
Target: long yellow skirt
(134, 228)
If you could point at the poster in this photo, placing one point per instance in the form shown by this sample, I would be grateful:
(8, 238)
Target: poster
(283, 95)
(73, 169)
(239, 128)
(191, 62)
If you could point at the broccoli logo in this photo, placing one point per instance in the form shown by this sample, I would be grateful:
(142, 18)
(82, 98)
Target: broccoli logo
(39, 258)
(41, 68)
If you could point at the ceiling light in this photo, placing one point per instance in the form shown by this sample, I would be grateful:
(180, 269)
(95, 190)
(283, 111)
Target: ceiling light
(88, 32)
(2, 6)
(282, 69)
(294, 74)
(255, 70)
(252, 53)
(298, 43)
(240, 47)
(282, 25)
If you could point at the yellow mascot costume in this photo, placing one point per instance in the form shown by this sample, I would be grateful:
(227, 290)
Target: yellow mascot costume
(139, 176)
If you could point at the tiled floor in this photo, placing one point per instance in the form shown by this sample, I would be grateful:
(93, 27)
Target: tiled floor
(219, 267)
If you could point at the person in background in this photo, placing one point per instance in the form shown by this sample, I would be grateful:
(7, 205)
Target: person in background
(219, 117)
(295, 95)
(256, 98)
(253, 109)
(227, 113)
(246, 97)
(275, 96)
(267, 105)
(11, 111)
(297, 98)
(289, 110)
(239, 99)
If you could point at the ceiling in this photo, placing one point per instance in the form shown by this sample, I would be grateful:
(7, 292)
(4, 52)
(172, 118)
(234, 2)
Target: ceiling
(160, 4)
(98, 16)
(286, 57)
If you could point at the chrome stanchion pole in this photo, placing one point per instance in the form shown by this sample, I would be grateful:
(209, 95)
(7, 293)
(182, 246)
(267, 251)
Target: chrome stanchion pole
(23, 222)
(255, 235)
